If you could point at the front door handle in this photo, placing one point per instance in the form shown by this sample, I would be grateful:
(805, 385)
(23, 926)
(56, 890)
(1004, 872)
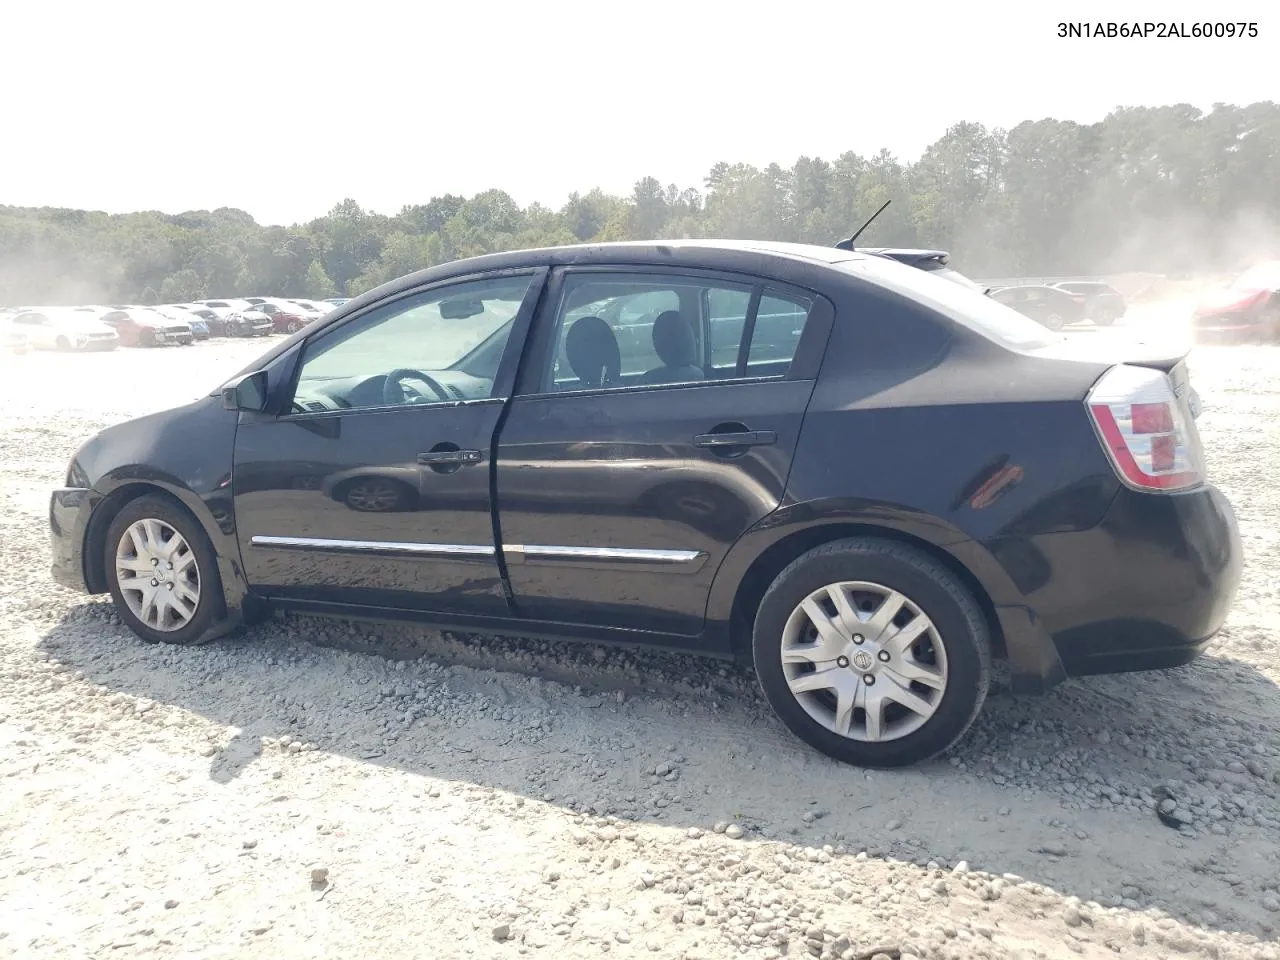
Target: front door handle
(437, 457)
(745, 438)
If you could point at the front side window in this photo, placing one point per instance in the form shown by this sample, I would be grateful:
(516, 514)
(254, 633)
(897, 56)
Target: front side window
(443, 345)
(619, 330)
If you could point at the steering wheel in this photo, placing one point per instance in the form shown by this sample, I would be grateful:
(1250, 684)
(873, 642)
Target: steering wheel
(393, 386)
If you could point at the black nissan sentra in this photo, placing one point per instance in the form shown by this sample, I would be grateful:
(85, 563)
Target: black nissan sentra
(868, 481)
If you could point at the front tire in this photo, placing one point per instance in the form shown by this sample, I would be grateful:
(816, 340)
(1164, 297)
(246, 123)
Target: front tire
(1055, 321)
(872, 652)
(162, 572)
(1104, 317)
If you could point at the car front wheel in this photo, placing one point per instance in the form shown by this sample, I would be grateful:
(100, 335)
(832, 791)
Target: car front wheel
(162, 572)
(1104, 317)
(872, 652)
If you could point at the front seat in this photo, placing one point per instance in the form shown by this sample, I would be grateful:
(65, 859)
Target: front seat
(677, 348)
(592, 351)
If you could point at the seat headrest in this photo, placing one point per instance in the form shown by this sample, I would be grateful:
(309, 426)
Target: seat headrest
(592, 351)
(673, 340)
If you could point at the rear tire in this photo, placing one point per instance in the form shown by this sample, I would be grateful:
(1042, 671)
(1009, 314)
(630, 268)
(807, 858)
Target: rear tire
(1055, 321)
(940, 664)
(1104, 317)
(162, 524)
(63, 344)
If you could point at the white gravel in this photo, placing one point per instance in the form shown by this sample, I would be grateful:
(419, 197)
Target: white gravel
(317, 788)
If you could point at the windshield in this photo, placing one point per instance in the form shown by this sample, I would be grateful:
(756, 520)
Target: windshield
(963, 303)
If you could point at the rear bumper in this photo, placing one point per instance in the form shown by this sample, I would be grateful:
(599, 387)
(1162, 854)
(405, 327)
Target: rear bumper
(69, 510)
(1145, 589)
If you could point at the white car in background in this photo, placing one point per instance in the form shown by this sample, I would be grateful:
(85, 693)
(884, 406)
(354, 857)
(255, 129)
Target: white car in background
(63, 329)
(13, 339)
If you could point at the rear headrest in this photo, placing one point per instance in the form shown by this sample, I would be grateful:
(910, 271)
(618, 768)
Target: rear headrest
(592, 351)
(673, 340)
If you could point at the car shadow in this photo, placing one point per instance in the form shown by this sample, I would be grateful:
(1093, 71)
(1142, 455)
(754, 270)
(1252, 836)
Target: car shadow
(1061, 790)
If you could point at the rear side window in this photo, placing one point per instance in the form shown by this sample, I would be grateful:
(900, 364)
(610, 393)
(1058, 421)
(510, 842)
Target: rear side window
(636, 330)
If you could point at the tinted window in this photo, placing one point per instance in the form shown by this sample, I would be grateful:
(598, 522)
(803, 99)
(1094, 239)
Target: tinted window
(983, 314)
(621, 330)
(431, 334)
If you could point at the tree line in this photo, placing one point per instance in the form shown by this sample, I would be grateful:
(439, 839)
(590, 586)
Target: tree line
(1167, 189)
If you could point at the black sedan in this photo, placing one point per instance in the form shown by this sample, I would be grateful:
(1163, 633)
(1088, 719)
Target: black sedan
(901, 482)
(1047, 306)
(1103, 303)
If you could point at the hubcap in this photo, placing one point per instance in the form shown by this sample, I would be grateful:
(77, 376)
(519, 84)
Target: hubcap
(864, 661)
(158, 575)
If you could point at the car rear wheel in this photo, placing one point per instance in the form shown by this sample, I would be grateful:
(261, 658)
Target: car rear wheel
(63, 343)
(872, 652)
(1055, 321)
(162, 572)
(1104, 316)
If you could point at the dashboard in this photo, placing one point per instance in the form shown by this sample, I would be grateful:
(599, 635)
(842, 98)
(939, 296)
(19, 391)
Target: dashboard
(337, 394)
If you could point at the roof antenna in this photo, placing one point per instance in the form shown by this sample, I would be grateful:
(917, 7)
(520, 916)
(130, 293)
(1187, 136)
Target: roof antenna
(848, 244)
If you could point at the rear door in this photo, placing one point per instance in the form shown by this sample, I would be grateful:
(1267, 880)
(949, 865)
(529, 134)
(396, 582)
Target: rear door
(650, 429)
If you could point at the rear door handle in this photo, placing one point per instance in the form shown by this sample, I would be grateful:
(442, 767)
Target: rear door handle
(746, 438)
(436, 457)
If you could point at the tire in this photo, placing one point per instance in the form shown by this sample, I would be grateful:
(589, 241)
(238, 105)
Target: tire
(63, 344)
(957, 627)
(1104, 317)
(1055, 321)
(162, 511)
(293, 326)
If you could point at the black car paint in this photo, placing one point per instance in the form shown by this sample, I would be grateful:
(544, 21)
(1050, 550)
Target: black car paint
(907, 419)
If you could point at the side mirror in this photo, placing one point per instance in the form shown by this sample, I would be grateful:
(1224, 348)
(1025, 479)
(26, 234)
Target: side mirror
(247, 392)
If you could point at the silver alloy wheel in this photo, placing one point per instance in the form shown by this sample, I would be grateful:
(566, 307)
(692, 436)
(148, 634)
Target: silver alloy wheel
(864, 661)
(158, 575)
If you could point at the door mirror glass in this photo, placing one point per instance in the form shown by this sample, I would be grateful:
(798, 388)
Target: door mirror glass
(248, 392)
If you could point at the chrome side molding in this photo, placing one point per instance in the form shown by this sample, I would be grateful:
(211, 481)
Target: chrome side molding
(456, 550)
(682, 561)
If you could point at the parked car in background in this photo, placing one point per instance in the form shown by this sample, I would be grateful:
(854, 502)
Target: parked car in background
(179, 314)
(239, 322)
(62, 329)
(337, 301)
(1103, 303)
(1248, 309)
(225, 308)
(918, 481)
(1047, 306)
(286, 317)
(319, 307)
(13, 339)
(147, 327)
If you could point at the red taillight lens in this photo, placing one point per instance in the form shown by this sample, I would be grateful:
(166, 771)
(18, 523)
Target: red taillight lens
(1147, 431)
(1152, 418)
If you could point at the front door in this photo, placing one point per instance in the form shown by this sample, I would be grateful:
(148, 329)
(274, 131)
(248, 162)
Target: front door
(372, 487)
(651, 429)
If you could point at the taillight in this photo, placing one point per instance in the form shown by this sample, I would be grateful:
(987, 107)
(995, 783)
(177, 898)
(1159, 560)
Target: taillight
(1148, 433)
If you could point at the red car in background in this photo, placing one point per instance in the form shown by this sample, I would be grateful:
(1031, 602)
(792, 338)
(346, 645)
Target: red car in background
(1248, 309)
(285, 317)
(141, 327)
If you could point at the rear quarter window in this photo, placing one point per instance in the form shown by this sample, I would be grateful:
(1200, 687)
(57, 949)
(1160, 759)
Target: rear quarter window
(969, 308)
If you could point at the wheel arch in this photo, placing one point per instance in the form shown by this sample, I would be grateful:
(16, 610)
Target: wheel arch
(110, 505)
(770, 561)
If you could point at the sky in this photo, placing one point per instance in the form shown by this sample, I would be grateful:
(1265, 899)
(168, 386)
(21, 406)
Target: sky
(284, 108)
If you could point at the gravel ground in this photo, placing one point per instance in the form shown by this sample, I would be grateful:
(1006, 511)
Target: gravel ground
(316, 788)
